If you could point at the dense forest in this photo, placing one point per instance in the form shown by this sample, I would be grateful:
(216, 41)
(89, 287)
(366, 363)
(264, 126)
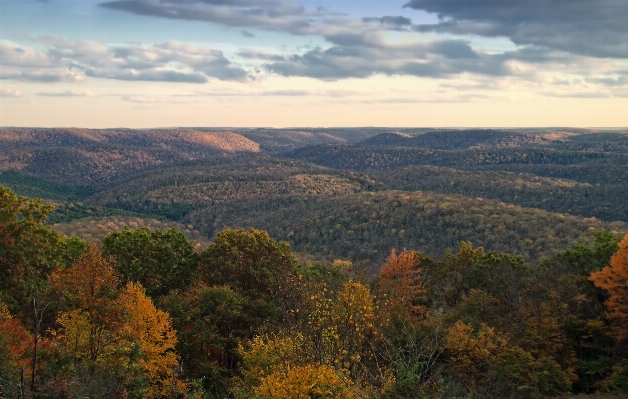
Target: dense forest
(143, 314)
(313, 263)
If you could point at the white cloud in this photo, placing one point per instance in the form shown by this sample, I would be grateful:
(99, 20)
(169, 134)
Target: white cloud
(70, 93)
(10, 93)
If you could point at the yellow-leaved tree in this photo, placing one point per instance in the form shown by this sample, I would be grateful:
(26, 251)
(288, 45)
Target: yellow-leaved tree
(149, 331)
(326, 355)
(278, 366)
(305, 382)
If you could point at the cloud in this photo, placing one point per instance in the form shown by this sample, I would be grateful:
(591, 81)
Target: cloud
(259, 55)
(391, 22)
(152, 75)
(592, 28)
(611, 82)
(15, 55)
(163, 62)
(438, 59)
(52, 75)
(549, 34)
(273, 93)
(281, 15)
(70, 93)
(578, 95)
(152, 100)
(288, 93)
(10, 93)
(246, 33)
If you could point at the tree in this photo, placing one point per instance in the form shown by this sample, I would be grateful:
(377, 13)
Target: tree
(614, 279)
(249, 261)
(88, 289)
(150, 332)
(29, 251)
(159, 261)
(15, 346)
(305, 382)
(400, 280)
(211, 323)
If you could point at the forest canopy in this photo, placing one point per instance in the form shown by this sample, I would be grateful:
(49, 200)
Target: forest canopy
(143, 314)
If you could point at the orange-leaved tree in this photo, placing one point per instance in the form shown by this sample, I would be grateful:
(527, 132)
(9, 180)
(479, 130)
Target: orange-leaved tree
(614, 279)
(400, 281)
(88, 291)
(15, 349)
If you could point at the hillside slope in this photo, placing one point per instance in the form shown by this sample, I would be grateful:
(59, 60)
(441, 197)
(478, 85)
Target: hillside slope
(175, 191)
(366, 226)
(457, 139)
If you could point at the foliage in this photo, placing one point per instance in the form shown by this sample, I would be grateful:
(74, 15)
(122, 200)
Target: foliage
(365, 226)
(614, 279)
(400, 280)
(29, 251)
(304, 382)
(249, 261)
(243, 319)
(150, 332)
(15, 346)
(95, 229)
(160, 261)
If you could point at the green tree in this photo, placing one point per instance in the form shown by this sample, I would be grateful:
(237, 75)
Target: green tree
(29, 251)
(160, 261)
(250, 262)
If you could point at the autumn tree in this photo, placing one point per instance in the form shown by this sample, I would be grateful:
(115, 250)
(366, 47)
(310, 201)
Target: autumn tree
(149, 333)
(400, 281)
(87, 291)
(328, 355)
(614, 280)
(15, 350)
(277, 366)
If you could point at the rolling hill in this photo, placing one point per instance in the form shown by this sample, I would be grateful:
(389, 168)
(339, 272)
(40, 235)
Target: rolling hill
(367, 225)
(456, 139)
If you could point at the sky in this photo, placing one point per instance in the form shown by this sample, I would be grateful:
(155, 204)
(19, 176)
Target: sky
(313, 63)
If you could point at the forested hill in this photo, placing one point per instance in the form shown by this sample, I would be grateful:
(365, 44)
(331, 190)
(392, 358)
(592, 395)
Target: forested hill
(604, 201)
(147, 314)
(417, 263)
(276, 179)
(365, 226)
(381, 158)
(457, 139)
(188, 142)
(177, 190)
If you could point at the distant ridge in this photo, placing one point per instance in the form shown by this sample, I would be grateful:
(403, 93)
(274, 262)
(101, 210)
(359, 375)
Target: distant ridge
(184, 140)
(388, 139)
(456, 139)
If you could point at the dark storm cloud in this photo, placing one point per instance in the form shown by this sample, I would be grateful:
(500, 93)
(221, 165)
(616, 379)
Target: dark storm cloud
(593, 28)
